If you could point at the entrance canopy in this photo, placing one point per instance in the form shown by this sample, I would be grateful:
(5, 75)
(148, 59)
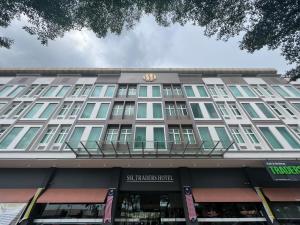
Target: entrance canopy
(225, 195)
(16, 195)
(282, 194)
(76, 195)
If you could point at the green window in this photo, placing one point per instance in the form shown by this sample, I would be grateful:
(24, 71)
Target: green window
(248, 91)
(202, 91)
(103, 111)
(140, 137)
(196, 110)
(265, 110)
(63, 91)
(157, 110)
(159, 137)
(293, 90)
(109, 91)
(4, 90)
(288, 137)
(206, 137)
(142, 110)
(17, 91)
(33, 110)
(156, 91)
(281, 91)
(27, 138)
(211, 110)
(93, 137)
(235, 91)
(143, 91)
(223, 137)
(87, 112)
(297, 106)
(10, 137)
(75, 138)
(189, 91)
(48, 111)
(271, 138)
(97, 91)
(50, 91)
(250, 110)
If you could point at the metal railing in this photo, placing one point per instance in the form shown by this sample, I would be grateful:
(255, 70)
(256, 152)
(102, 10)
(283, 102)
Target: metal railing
(148, 149)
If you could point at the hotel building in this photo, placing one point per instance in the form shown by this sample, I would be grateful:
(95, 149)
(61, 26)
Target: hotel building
(149, 146)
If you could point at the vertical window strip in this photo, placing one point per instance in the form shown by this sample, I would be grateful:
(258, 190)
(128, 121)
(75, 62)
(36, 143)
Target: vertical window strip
(288, 137)
(27, 138)
(270, 137)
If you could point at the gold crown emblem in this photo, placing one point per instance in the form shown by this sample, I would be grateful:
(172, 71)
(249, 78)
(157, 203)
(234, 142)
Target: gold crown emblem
(149, 77)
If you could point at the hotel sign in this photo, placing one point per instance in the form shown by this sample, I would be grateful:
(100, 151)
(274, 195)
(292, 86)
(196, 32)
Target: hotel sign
(284, 170)
(149, 178)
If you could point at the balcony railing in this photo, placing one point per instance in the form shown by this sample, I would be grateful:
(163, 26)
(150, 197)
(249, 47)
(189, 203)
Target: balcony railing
(148, 149)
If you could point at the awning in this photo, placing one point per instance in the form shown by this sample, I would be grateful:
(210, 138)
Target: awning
(282, 194)
(225, 195)
(73, 195)
(16, 195)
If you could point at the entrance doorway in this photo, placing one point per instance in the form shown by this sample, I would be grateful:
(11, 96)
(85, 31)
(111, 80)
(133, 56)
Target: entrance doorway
(150, 208)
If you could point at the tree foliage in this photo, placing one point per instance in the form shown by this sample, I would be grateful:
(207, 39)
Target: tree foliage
(263, 23)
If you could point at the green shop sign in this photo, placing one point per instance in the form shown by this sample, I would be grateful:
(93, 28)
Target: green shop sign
(284, 170)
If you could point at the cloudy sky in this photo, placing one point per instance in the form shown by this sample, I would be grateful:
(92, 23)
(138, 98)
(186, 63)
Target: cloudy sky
(147, 45)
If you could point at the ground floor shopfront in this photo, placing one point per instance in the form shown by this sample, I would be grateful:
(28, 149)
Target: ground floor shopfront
(210, 196)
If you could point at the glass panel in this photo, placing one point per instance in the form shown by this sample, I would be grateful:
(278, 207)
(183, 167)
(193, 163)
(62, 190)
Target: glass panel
(297, 106)
(27, 138)
(293, 90)
(251, 135)
(265, 110)
(142, 110)
(271, 138)
(206, 137)
(63, 91)
(188, 136)
(102, 113)
(281, 91)
(189, 91)
(157, 110)
(75, 139)
(87, 112)
(125, 135)
(109, 91)
(62, 135)
(33, 110)
(248, 91)
(250, 110)
(50, 92)
(202, 91)
(174, 135)
(223, 137)
(10, 137)
(143, 91)
(211, 110)
(93, 137)
(288, 137)
(196, 110)
(48, 111)
(140, 137)
(97, 91)
(235, 91)
(156, 91)
(48, 135)
(16, 91)
(4, 90)
(159, 137)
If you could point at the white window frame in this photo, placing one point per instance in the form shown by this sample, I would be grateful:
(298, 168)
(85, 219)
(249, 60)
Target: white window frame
(205, 112)
(149, 111)
(259, 112)
(95, 110)
(131, 107)
(149, 90)
(195, 90)
(10, 91)
(57, 90)
(103, 91)
(244, 93)
(173, 132)
(40, 111)
(284, 87)
(150, 137)
(119, 109)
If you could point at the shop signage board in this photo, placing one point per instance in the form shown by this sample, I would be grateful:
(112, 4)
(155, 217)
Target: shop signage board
(284, 170)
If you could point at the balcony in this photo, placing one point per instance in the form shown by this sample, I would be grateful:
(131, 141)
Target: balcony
(148, 149)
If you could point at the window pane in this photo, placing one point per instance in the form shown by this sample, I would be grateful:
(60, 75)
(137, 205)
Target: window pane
(297, 106)
(33, 110)
(211, 110)
(235, 91)
(63, 91)
(159, 137)
(288, 137)
(206, 137)
(27, 138)
(157, 110)
(5, 90)
(103, 111)
(75, 139)
(16, 91)
(265, 110)
(202, 91)
(155, 91)
(223, 137)
(87, 112)
(97, 91)
(110, 91)
(140, 137)
(50, 92)
(93, 137)
(196, 110)
(189, 91)
(250, 110)
(281, 91)
(271, 138)
(10, 137)
(143, 91)
(294, 90)
(48, 111)
(142, 110)
(248, 91)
